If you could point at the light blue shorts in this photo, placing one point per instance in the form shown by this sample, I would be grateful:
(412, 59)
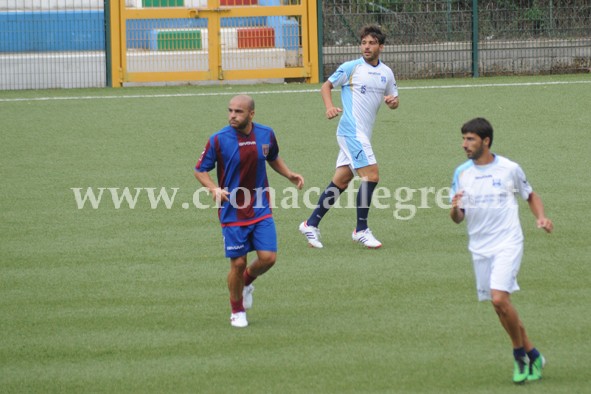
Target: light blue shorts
(356, 152)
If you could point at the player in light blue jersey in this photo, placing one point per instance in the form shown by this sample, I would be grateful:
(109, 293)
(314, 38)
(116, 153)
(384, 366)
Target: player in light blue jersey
(484, 193)
(365, 84)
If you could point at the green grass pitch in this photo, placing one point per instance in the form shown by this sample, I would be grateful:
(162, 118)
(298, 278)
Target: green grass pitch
(135, 300)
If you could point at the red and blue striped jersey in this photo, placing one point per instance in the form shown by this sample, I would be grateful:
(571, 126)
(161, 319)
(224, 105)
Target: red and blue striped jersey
(240, 161)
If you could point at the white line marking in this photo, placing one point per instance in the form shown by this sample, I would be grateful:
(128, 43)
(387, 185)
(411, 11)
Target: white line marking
(489, 85)
(142, 96)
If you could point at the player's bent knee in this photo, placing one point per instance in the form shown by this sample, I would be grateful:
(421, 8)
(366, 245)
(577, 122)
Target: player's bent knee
(342, 182)
(270, 264)
(238, 262)
(267, 259)
(271, 261)
(500, 303)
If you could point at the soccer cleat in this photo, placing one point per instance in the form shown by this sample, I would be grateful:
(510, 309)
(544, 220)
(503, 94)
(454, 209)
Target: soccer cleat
(520, 370)
(535, 369)
(366, 238)
(238, 319)
(247, 296)
(312, 234)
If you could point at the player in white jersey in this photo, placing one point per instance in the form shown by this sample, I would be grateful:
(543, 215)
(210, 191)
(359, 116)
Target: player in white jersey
(365, 84)
(485, 192)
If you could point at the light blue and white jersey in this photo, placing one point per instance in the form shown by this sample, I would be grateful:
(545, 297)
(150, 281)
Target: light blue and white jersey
(363, 88)
(490, 203)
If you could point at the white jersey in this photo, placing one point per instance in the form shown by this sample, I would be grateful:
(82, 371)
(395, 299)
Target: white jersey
(363, 88)
(490, 203)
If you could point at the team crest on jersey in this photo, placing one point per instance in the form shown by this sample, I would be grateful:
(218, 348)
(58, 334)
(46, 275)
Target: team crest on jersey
(383, 79)
(265, 149)
(496, 182)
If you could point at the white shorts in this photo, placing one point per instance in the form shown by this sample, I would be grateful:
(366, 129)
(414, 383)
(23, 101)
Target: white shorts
(355, 152)
(497, 271)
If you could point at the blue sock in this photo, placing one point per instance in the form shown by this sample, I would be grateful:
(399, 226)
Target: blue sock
(519, 353)
(363, 202)
(533, 355)
(327, 200)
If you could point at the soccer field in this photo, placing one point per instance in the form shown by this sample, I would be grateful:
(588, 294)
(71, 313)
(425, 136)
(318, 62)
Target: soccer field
(128, 294)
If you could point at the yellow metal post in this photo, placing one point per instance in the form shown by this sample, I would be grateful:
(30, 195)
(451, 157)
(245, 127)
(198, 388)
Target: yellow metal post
(214, 26)
(115, 43)
(312, 34)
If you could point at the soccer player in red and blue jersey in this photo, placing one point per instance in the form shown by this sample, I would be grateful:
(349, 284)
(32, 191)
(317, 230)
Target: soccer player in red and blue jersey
(240, 152)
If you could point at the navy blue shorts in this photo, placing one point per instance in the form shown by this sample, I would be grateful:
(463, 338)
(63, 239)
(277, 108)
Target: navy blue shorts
(239, 240)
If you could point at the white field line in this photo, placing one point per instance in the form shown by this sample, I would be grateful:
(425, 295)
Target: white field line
(143, 96)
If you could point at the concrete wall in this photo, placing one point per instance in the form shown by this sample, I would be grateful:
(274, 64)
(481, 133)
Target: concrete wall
(52, 70)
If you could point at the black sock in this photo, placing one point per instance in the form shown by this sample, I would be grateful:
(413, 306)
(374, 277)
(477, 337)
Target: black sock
(363, 202)
(327, 200)
(533, 355)
(519, 354)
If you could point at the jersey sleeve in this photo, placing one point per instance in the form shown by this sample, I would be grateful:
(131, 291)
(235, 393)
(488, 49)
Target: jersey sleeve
(341, 76)
(273, 148)
(392, 88)
(338, 78)
(456, 180)
(207, 159)
(454, 184)
(521, 183)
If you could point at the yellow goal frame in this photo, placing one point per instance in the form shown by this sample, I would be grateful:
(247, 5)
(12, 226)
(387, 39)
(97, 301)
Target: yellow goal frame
(120, 14)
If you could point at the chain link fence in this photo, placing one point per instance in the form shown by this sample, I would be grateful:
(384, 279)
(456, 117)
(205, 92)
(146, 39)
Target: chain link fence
(61, 43)
(448, 38)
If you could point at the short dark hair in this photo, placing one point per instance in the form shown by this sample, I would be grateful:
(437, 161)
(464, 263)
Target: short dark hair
(481, 127)
(373, 30)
